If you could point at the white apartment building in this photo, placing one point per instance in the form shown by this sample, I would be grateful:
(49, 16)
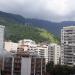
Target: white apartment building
(1, 37)
(54, 53)
(28, 45)
(10, 46)
(42, 51)
(26, 42)
(68, 45)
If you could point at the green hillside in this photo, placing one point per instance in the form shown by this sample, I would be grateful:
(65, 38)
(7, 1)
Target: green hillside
(16, 30)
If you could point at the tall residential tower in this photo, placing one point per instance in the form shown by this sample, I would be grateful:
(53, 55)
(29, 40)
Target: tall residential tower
(1, 37)
(68, 45)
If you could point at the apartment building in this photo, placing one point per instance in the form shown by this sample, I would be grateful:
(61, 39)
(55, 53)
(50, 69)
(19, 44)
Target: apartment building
(42, 51)
(10, 46)
(68, 45)
(28, 45)
(24, 64)
(2, 37)
(54, 53)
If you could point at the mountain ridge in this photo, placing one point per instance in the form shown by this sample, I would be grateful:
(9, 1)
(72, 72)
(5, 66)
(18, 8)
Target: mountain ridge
(52, 27)
(17, 29)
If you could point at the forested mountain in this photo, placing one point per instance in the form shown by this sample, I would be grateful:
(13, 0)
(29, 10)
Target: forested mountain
(16, 28)
(52, 27)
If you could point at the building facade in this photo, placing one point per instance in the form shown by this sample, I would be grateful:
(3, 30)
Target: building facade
(54, 53)
(10, 46)
(2, 37)
(68, 45)
(28, 45)
(42, 51)
(23, 64)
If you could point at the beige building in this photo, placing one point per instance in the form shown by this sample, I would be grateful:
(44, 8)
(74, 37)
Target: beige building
(10, 46)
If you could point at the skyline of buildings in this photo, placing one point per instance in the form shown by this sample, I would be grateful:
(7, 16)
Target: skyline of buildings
(51, 52)
(27, 54)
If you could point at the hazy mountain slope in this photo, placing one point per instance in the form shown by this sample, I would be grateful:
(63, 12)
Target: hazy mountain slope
(19, 28)
(17, 32)
(55, 28)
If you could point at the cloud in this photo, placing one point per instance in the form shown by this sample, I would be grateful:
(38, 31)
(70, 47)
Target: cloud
(52, 10)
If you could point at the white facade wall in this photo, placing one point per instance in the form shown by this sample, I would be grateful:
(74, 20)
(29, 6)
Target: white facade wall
(43, 51)
(54, 53)
(26, 66)
(57, 54)
(10, 46)
(68, 45)
(1, 37)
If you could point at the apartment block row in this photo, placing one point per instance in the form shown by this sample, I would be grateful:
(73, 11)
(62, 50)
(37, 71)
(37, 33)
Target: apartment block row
(33, 55)
(25, 57)
(64, 53)
(51, 52)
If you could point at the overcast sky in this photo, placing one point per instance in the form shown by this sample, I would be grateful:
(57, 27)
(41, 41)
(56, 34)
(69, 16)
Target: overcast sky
(52, 10)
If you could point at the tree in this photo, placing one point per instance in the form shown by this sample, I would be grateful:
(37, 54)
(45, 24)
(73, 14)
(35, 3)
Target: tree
(49, 68)
(59, 69)
(62, 70)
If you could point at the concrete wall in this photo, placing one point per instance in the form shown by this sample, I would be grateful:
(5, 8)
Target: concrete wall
(26, 66)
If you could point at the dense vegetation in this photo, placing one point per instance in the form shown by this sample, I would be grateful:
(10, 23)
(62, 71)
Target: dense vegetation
(52, 69)
(16, 29)
(17, 32)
